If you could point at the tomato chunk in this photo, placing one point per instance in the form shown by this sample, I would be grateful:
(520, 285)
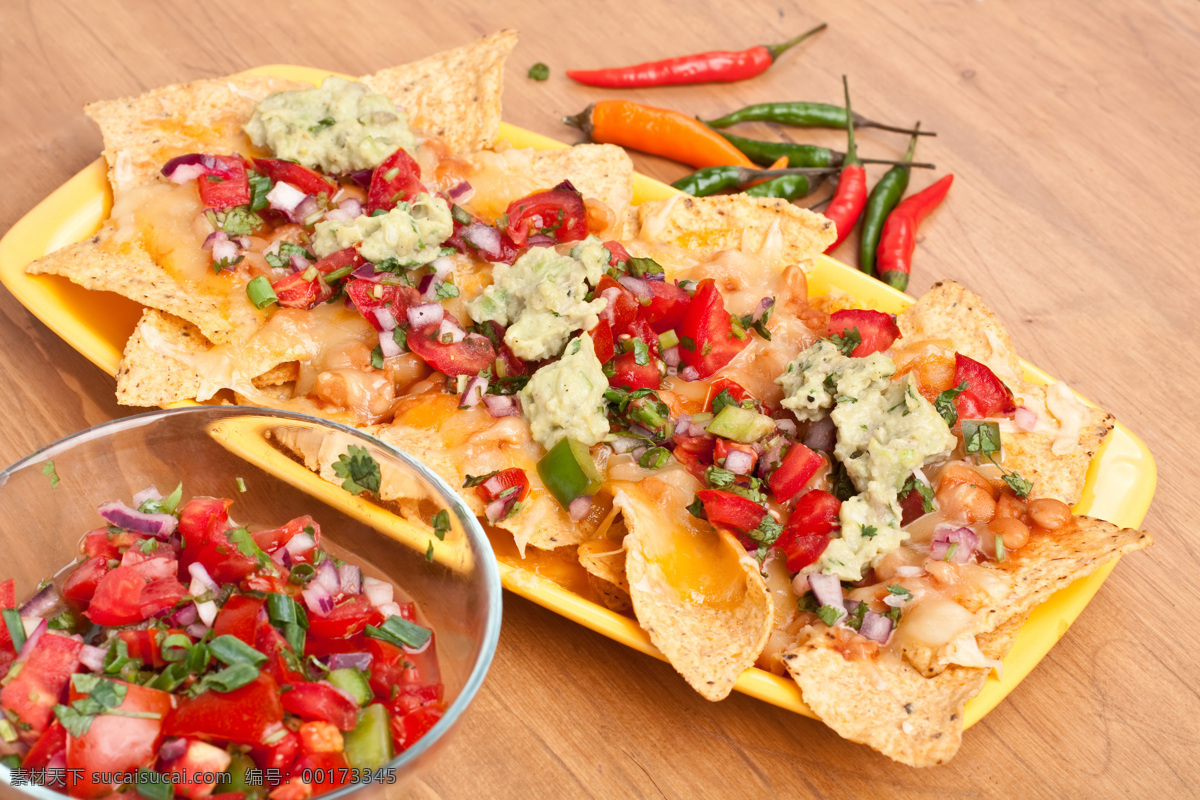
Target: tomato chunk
(81, 584)
(48, 745)
(246, 715)
(667, 306)
(985, 395)
(296, 291)
(622, 308)
(320, 701)
(132, 593)
(466, 357)
(501, 482)
(731, 510)
(877, 329)
(347, 618)
(407, 730)
(797, 468)
(397, 179)
(306, 180)
(558, 213)
(42, 681)
(602, 341)
(115, 744)
(239, 618)
(806, 533)
(226, 185)
(628, 374)
(370, 297)
(707, 342)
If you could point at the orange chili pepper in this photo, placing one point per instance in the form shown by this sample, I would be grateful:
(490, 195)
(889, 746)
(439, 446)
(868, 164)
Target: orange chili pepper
(658, 131)
(780, 163)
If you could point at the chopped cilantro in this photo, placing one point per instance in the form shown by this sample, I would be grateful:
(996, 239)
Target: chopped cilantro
(260, 187)
(48, 469)
(830, 614)
(945, 403)
(855, 617)
(539, 72)
(696, 509)
(428, 555)
(847, 340)
(358, 469)
(900, 591)
(869, 531)
(921, 488)
(441, 523)
(687, 343)
(377, 357)
(446, 290)
(980, 437)
(477, 480)
(655, 458)
(641, 353)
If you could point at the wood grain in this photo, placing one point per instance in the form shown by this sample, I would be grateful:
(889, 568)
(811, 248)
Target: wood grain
(1071, 129)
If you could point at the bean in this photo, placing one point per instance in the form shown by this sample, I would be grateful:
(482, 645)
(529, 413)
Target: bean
(957, 473)
(1012, 531)
(967, 502)
(1009, 505)
(1049, 513)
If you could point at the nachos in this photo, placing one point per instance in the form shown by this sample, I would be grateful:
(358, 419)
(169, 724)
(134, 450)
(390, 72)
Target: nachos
(761, 478)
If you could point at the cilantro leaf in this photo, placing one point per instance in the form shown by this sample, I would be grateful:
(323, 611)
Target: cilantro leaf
(980, 437)
(441, 523)
(846, 341)
(477, 480)
(358, 469)
(921, 488)
(830, 614)
(944, 404)
(446, 290)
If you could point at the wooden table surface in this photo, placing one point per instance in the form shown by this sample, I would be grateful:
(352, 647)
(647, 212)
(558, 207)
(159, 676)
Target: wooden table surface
(1071, 128)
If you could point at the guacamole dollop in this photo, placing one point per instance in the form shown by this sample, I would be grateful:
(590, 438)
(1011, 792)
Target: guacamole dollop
(339, 127)
(566, 398)
(412, 233)
(885, 430)
(540, 298)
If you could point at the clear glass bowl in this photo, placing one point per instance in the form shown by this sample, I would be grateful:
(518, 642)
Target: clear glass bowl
(208, 448)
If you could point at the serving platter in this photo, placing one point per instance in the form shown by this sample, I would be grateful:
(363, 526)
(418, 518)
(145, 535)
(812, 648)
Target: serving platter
(1119, 487)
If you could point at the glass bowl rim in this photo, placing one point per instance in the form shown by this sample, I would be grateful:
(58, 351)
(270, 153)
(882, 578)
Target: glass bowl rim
(489, 568)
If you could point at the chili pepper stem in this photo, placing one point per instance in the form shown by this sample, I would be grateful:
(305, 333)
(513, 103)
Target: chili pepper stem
(776, 50)
(582, 121)
(862, 122)
(851, 149)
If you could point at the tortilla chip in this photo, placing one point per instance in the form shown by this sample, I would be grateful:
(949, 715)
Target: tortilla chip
(147, 378)
(601, 171)
(206, 116)
(710, 643)
(604, 561)
(777, 231)
(278, 375)
(454, 94)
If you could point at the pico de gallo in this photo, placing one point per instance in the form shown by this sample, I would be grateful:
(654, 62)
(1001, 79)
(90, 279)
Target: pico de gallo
(187, 656)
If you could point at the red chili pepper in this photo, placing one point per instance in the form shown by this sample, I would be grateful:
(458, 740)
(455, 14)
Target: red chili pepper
(851, 195)
(718, 65)
(899, 238)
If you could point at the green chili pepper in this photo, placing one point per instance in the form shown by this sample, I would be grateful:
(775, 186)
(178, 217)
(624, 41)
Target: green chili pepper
(883, 199)
(798, 155)
(710, 180)
(789, 187)
(568, 471)
(805, 115)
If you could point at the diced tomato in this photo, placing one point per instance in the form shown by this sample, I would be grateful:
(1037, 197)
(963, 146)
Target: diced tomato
(48, 745)
(706, 335)
(8, 599)
(199, 518)
(8, 593)
(245, 716)
(295, 291)
(116, 744)
(306, 180)
(985, 395)
(667, 307)
(347, 618)
(731, 510)
(268, 584)
(270, 642)
(42, 680)
(239, 618)
(602, 341)
(224, 561)
(199, 761)
(501, 482)
(81, 584)
(628, 374)
(912, 507)
(142, 644)
(724, 446)
(408, 729)
(392, 667)
(368, 296)
(328, 771)
(725, 384)
(271, 540)
(640, 329)
(508, 251)
(320, 701)
(226, 186)
(617, 254)
(622, 308)
(466, 357)
(117, 599)
(877, 329)
(409, 698)
(798, 466)
(397, 179)
(805, 535)
(692, 462)
(557, 212)
(340, 259)
(111, 545)
(280, 755)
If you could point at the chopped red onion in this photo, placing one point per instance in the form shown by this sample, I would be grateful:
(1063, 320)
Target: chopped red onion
(389, 610)
(610, 295)
(821, 435)
(449, 333)
(541, 240)
(158, 525)
(462, 192)
(944, 536)
(31, 639)
(689, 374)
(786, 425)
(185, 172)
(388, 346)
(800, 584)
(367, 273)
(827, 589)
(149, 493)
(362, 177)
(307, 208)
(172, 749)
(897, 600)
(201, 581)
(197, 629)
(317, 597)
(485, 238)
(377, 591)
(1025, 419)
(443, 266)
(338, 215)
(283, 558)
(185, 616)
(425, 285)
(182, 169)
(474, 391)
(425, 314)
(876, 627)
(285, 197)
(671, 356)
(225, 251)
(207, 611)
(209, 241)
(497, 510)
(499, 405)
(351, 578)
(40, 603)
(300, 545)
(350, 661)
(641, 289)
(771, 458)
(351, 206)
(299, 262)
(682, 422)
(327, 577)
(92, 657)
(762, 307)
(739, 462)
(580, 507)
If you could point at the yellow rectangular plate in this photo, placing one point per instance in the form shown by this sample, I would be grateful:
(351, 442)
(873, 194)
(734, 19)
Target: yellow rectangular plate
(1120, 480)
